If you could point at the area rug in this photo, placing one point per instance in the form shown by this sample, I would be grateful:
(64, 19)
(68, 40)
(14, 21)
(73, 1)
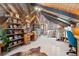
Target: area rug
(31, 52)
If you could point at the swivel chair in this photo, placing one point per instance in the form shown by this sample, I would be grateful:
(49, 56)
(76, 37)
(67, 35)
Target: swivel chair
(72, 43)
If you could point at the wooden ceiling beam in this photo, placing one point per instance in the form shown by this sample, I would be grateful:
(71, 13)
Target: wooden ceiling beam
(5, 8)
(17, 8)
(12, 8)
(68, 7)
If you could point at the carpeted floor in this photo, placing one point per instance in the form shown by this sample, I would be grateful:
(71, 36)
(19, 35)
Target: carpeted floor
(48, 45)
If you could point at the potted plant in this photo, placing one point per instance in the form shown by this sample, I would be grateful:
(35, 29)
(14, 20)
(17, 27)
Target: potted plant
(4, 39)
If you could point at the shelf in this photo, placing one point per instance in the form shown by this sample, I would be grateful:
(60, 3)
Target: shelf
(14, 28)
(16, 44)
(16, 39)
(14, 23)
(15, 18)
(15, 34)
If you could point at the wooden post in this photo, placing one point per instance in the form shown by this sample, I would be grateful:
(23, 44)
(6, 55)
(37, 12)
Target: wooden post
(0, 48)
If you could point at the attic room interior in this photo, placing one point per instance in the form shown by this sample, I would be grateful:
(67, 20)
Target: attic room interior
(44, 29)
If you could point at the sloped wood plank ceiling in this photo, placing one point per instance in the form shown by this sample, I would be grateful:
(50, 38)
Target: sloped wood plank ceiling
(68, 7)
(22, 9)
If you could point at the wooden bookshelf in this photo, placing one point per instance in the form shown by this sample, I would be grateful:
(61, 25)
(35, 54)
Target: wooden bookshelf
(15, 32)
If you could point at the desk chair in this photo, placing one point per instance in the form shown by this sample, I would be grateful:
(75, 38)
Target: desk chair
(72, 42)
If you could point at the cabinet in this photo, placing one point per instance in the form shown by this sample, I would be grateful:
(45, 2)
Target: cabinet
(26, 38)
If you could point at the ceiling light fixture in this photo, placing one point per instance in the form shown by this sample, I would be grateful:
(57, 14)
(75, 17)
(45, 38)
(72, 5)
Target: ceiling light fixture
(37, 8)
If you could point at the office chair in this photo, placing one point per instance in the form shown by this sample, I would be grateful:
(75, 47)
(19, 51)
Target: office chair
(72, 43)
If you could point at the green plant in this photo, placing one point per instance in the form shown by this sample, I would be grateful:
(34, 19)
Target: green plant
(4, 38)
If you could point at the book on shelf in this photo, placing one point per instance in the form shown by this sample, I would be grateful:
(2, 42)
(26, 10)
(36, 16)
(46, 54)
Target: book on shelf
(15, 21)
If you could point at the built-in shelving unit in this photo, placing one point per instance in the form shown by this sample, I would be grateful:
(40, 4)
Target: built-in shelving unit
(15, 32)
